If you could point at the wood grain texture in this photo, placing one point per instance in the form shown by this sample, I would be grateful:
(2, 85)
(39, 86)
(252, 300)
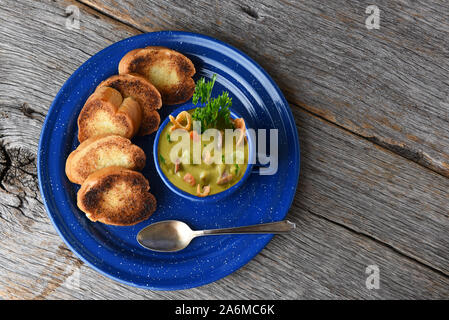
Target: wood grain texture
(388, 85)
(374, 192)
(357, 204)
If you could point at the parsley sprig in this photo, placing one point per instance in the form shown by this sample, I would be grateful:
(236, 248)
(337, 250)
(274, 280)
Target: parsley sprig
(215, 113)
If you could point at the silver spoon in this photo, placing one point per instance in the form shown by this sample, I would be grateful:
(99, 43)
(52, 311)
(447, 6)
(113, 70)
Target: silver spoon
(172, 235)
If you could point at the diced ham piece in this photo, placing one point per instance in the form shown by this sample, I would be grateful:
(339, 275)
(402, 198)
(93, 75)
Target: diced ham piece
(240, 124)
(225, 178)
(205, 192)
(189, 179)
(177, 165)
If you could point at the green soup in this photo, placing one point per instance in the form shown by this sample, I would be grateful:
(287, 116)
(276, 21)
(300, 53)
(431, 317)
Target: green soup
(219, 171)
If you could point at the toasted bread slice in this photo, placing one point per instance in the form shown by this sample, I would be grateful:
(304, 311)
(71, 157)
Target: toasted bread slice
(116, 196)
(106, 112)
(148, 97)
(101, 152)
(170, 71)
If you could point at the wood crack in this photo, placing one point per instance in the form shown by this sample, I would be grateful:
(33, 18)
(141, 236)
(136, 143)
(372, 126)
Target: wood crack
(18, 183)
(5, 164)
(108, 15)
(402, 150)
(250, 12)
(380, 242)
(31, 113)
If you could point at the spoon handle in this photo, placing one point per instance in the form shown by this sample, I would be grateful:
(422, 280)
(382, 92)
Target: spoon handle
(284, 226)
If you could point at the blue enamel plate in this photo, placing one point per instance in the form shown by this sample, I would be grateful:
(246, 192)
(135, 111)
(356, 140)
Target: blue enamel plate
(114, 251)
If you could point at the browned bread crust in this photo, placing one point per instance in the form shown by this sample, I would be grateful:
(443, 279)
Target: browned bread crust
(116, 196)
(106, 112)
(148, 97)
(100, 152)
(170, 71)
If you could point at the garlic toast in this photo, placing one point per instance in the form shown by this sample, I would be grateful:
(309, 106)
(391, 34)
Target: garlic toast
(116, 196)
(100, 152)
(168, 70)
(106, 112)
(148, 97)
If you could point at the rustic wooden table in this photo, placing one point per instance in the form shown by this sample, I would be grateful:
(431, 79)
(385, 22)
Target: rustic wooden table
(372, 110)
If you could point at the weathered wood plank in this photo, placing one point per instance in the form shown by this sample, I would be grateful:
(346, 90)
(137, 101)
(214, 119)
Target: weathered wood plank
(374, 192)
(323, 259)
(388, 85)
(306, 264)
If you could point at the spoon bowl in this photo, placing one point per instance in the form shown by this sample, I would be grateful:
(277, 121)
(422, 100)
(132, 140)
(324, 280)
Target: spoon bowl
(173, 235)
(166, 236)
